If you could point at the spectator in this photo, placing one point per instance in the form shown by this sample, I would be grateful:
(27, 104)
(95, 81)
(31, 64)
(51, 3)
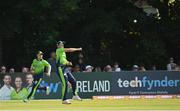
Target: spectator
(3, 70)
(81, 64)
(25, 70)
(171, 66)
(11, 70)
(98, 69)
(29, 82)
(177, 68)
(76, 68)
(19, 92)
(6, 90)
(108, 68)
(89, 68)
(142, 68)
(52, 62)
(116, 67)
(81, 56)
(154, 67)
(135, 68)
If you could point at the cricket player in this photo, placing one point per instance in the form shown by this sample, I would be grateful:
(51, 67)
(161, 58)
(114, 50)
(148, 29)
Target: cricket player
(64, 72)
(37, 68)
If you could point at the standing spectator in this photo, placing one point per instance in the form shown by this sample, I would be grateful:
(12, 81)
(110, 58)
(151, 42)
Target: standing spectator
(171, 66)
(29, 82)
(6, 90)
(135, 68)
(154, 67)
(52, 61)
(81, 64)
(19, 92)
(11, 70)
(116, 67)
(108, 68)
(25, 70)
(81, 56)
(3, 70)
(89, 68)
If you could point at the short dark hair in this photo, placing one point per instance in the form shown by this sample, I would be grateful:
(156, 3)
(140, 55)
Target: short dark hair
(60, 42)
(7, 75)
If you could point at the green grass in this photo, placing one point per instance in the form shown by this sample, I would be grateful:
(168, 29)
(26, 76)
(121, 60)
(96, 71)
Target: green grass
(92, 105)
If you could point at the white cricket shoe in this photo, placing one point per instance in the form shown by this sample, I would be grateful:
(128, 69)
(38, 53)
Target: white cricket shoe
(76, 98)
(66, 102)
(25, 100)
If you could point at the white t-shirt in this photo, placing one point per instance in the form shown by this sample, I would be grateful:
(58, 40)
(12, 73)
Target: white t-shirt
(171, 66)
(117, 69)
(5, 92)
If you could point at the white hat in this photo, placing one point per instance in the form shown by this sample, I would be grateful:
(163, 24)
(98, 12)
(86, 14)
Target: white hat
(89, 66)
(135, 66)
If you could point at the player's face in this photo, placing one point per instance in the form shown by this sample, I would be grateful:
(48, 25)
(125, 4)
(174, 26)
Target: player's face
(7, 80)
(18, 82)
(40, 56)
(29, 79)
(61, 46)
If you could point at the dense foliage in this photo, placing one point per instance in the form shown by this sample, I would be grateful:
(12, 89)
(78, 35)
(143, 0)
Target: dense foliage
(107, 30)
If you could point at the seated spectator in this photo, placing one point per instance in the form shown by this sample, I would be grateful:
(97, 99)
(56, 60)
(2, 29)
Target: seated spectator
(135, 68)
(98, 69)
(29, 82)
(11, 70)
(116, 67)
(25, 70)
(108, 68)
(52, 62)
(177, 68)
(89, 68)
(19, 92)
(142, 68)
(6, 90)
(171, 66)
(3, 69)
(76, 68)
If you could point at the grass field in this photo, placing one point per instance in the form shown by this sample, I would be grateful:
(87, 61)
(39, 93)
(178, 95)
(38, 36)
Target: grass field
(93, 105)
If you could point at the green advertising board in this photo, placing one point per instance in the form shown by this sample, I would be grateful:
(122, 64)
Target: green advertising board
(112, 83)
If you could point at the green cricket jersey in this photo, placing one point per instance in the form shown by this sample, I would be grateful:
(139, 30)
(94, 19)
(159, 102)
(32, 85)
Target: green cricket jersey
(22, 94)
(38, 66)
(61, 56)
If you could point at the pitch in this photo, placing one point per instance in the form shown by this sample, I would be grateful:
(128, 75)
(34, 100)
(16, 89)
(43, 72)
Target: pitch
(93, 105)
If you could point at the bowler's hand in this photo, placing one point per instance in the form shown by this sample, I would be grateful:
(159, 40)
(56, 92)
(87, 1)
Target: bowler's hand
(80, 49)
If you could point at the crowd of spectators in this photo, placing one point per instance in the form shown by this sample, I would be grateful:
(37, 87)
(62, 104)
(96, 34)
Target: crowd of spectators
(80, 66)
